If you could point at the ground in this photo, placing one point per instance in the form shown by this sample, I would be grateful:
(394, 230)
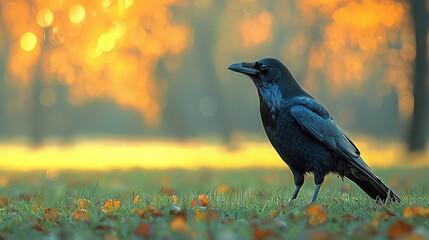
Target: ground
(206, 204)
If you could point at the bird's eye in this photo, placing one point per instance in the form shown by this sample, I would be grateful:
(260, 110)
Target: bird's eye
(263, 67)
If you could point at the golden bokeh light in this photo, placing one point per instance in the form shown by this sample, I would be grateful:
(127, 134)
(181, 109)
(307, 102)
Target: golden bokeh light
(107, 3)
(256, 30)
(106, 42)
(77, 14)
(88, 41)
(125, 3)
(28, 41)
(45, 17)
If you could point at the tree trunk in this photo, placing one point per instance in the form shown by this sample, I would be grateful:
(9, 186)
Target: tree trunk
(418, 133)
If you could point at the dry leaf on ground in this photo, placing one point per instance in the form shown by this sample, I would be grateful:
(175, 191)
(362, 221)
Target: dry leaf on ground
(316, 215)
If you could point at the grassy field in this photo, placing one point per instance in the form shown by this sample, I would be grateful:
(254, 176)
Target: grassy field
(206, 204)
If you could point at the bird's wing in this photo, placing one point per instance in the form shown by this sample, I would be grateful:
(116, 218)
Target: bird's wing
(315, 120)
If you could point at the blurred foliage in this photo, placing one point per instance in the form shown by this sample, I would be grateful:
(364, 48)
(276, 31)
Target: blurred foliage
(84, 61)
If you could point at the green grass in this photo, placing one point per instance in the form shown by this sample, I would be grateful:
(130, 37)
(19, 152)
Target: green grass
(245, 211)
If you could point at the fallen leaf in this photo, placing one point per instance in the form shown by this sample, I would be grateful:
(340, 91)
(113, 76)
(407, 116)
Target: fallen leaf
(380, 217)
(349, 218)
(212, 215)
(148, 212)
(261, 233)
(227, 220)
(416, 211)
(39, 228)
(111, 205)
(168, 191)
(173, 198)
(51, 214)
(415, 236)
(36, 207)
(179, 224)
(143, 230)
(316, 215)
(82, 203)
(274, 213)
(136, 199)
(320, 235)
(399, 228)
(176, 211)
(206, 216)
(202, 200)
(103, 227)
(4, 201)
(199, 215)
(80, 215)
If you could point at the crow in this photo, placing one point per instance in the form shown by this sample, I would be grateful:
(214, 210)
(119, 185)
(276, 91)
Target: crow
(304, 134)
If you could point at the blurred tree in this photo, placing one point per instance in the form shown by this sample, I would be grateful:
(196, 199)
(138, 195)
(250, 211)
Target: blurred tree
(3, 58)
(418, 135)
(100, 49)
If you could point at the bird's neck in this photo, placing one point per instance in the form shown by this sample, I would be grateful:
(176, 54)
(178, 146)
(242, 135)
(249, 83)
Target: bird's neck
(290, 88)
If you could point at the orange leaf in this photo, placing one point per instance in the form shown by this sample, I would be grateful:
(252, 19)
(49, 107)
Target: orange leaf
(321, 235)
(349, 218)
(39, 228)
(399, 229)
(416, 211)
(142, 230)
(173, 198)
(274, 213)
(4, 201)
(202, 200)
(260, 233)
(148, 212)
(207, 215)
(51, 214)
(179, 224)
(227, 220)
(136, 199)
(316, 215)
(168, 191)
(415, 236)
(212, 215)
(199, 215)
(82, 203)
(36, 207)
(111, 205)
(379, 217)
(80, 215)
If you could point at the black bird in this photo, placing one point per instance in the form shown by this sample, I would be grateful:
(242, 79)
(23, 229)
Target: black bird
(304, 134)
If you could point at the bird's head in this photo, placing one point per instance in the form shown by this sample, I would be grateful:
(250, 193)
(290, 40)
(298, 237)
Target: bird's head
(271, 77)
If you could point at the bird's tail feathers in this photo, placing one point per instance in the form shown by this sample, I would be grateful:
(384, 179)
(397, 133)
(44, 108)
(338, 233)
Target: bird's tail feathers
(372, 185)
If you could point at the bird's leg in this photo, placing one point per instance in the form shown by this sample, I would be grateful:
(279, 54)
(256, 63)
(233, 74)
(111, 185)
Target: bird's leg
(318, 180)
(298, 178)
(295, 193)
(316, 192)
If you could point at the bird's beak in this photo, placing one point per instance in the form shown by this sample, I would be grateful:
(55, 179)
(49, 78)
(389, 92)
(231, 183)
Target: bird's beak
(247, 68)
